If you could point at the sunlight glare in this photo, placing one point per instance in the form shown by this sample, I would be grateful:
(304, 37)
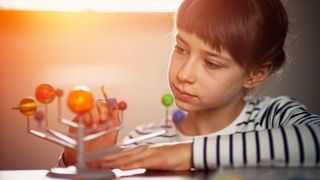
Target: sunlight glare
(94, 5)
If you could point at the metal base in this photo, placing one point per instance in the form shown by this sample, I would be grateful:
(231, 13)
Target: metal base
(72, 172)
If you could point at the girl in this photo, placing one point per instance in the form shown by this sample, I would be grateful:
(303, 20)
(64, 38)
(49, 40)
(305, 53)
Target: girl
(223, 50)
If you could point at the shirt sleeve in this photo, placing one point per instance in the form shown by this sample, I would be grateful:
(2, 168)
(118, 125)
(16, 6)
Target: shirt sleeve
(292, 146)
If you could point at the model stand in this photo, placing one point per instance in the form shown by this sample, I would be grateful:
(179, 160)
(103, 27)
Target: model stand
(80, 101)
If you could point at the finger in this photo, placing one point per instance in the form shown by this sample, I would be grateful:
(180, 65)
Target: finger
(93, 164)
(76, 120)
(123, 160)
(118, 155)
(143, 163)
(163, 158)
(115, 117)
(151, 162)
(103, 110)
(95, 116)
(157, 160)
(113, 111)
(126, 152)
(86, 119)
(105, 98)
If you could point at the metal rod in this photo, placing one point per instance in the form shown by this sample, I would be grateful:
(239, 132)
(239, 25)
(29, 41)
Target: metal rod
(59, 108)
(144, 137)
(80, 146)
(62, 136)
(121, 116)
(46, 114)
(69, 123)
(167, 117)
(100, 134)
(50, 138)
(28, 123)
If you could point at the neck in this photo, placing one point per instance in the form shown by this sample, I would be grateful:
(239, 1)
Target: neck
(212, 120)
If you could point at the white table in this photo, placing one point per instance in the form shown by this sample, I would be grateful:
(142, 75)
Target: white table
(226, 174)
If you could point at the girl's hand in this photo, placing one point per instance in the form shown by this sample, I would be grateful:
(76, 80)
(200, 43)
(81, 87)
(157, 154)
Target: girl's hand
(98, 114)
(175, 157)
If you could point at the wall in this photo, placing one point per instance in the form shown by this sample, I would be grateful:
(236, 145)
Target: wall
(126, 52)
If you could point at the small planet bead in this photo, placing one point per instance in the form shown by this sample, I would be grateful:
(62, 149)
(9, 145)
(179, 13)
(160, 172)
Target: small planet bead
(27, 106)
(39, 116)
(45, 93)
(167, 100)
(112, 102)
(178, 116)
(122, 105)
(59, 92)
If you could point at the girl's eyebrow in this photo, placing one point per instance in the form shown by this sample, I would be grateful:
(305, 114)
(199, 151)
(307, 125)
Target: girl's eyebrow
(213, 54)
(179, 38)
(208, 53)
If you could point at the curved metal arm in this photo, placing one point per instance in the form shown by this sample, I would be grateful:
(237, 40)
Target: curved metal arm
(100, 134)
(63, 136)
(50, 138)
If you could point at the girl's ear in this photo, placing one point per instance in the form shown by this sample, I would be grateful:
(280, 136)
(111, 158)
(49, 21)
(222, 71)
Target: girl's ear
(258, 75)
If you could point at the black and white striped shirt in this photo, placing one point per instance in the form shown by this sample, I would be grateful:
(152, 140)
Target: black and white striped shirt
(268, 132)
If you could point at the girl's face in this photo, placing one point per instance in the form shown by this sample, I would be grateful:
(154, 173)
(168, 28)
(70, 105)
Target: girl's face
(202, 78)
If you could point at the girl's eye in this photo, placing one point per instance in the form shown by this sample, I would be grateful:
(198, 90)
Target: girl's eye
(179, 49)
(212, 65)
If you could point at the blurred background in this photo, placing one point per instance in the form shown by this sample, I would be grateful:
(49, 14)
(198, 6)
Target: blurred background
(125, 47)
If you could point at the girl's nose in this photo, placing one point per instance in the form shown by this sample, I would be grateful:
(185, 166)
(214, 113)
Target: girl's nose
(187, 72)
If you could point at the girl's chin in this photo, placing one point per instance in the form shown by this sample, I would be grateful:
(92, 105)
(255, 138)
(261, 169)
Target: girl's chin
(185, 106)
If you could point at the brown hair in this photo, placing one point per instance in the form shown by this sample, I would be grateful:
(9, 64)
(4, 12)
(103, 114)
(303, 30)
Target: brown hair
(252, 31)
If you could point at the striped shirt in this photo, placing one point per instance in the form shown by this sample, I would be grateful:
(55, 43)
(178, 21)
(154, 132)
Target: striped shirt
(268, 132)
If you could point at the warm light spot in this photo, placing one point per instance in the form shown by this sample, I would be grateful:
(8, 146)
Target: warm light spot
(60, 5)
(135, 5)
(94, 5)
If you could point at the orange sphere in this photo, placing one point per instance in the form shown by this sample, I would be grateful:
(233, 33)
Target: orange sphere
(28, 106)
(45, 93)
(80, 100)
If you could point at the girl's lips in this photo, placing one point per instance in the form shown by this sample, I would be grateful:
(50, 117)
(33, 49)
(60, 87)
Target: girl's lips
(182, 95)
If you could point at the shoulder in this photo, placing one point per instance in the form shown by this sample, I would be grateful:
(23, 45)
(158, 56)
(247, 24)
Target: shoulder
(282, 111)
(274, 103)
(283, 104)
(270, 101)
(285, 100)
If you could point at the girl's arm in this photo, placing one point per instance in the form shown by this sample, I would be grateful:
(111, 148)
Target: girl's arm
(294, 141)
(292, 146)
